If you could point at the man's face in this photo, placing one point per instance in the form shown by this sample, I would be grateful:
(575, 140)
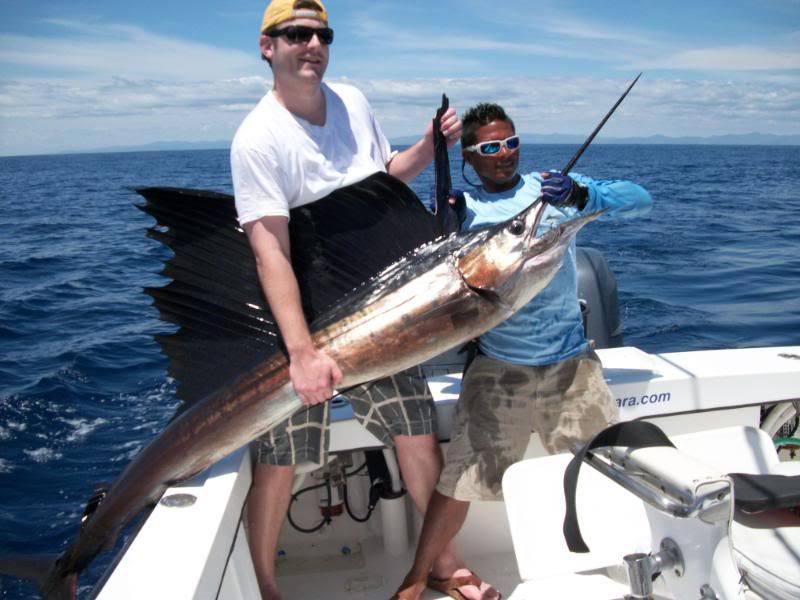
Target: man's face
(299, 61)
(497, 172)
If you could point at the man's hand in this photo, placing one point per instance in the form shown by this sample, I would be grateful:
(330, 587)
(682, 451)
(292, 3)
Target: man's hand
(314, 375)
(450, 126)
(561, 190)
(409, 163)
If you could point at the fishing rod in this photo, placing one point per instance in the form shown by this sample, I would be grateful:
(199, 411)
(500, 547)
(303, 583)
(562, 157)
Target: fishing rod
(597, 129)
(588, 141)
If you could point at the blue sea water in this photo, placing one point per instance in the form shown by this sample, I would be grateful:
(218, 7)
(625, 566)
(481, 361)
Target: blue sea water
(83, 386)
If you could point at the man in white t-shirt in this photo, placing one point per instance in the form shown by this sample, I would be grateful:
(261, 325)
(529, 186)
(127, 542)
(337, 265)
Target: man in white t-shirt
(304, 140)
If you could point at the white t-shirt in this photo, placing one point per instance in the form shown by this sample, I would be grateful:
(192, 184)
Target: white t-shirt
(280, 161)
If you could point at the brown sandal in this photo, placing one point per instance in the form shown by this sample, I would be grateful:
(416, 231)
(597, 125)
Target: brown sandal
(404, 594)
(451, 585)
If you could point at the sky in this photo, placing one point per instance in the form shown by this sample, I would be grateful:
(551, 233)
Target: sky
(81, 75)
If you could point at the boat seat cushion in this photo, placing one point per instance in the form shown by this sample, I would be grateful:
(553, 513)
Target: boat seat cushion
(766, 547)
(756, 493)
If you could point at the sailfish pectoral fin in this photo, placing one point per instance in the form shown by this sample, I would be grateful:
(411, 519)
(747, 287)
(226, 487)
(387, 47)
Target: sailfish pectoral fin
(493, 297)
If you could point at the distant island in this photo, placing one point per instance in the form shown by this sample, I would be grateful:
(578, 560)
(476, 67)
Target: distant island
(745, 139)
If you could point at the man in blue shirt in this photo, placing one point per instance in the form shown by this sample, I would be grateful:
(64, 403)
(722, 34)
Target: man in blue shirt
(535, 371)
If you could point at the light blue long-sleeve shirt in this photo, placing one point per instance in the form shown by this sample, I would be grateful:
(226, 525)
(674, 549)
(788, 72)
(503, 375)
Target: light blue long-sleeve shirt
(549, 328)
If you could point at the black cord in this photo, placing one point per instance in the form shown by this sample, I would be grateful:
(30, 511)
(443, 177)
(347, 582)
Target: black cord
(327, 520)
(323, 522)
(356, 472)
(464, 175)
(347, 501)
(370, 508)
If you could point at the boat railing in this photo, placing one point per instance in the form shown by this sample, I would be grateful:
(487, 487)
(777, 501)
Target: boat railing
(666, 479)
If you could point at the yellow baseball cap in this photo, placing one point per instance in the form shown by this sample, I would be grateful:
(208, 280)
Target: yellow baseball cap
(279, 11)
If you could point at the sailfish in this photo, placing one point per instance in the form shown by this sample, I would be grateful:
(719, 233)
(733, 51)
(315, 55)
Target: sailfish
(385, 285)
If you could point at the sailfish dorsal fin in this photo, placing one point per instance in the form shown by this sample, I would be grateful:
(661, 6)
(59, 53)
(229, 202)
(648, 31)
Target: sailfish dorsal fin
(224, 323)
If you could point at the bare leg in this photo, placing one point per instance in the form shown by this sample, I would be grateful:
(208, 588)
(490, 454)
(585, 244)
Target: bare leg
(443, 520)
(266, 511)
(420, 460)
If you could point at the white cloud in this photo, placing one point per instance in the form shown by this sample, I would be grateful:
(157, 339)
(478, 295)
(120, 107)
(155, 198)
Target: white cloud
(574, 27)
(390, 36)
(556, 34)
(50, 117)
(575, 105)
(105, 85)
(129, 52)
(118, 97)
(729, 58)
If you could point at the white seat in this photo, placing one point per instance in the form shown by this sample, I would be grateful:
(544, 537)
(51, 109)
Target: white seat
(574, 586)
(534, 497)
(767, 552)
(767, 547)
(614, 523)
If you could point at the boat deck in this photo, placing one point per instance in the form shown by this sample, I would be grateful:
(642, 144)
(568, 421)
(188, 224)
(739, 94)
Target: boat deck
(368, 572)
(198, 549)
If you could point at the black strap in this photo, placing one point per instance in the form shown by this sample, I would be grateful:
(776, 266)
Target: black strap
(472, 350)
(634, 434)
(760, 492)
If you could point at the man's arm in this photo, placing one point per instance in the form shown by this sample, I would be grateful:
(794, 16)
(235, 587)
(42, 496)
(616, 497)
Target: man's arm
(409, 163)
(624, 198)
(313, 373)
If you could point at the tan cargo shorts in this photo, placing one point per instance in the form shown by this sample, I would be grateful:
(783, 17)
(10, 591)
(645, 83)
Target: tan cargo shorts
(396, 405)
(501, 403)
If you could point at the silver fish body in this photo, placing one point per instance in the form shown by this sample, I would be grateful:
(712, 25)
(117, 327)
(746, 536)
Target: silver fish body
(440, 296)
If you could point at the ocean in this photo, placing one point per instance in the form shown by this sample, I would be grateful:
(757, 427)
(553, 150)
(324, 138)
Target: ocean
(83, 385)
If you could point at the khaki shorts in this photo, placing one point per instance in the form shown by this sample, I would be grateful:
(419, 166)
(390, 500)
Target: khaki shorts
(501, 403)
(397, 405)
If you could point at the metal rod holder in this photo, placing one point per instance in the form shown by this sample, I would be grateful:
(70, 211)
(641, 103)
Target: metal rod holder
(644, 568)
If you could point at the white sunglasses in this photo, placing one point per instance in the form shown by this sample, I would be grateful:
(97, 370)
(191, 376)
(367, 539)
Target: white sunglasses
(493, 146)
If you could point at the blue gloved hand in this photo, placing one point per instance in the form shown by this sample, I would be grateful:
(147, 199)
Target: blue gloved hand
(557, 188)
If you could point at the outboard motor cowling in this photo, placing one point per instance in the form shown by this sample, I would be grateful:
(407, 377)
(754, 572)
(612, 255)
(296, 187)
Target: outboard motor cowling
(597, 291)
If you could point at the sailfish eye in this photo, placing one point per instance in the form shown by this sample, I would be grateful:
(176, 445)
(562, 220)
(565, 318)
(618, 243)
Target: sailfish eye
(516, 227)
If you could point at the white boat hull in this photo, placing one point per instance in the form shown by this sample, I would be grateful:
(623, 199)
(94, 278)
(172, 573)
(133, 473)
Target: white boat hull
(200, 551)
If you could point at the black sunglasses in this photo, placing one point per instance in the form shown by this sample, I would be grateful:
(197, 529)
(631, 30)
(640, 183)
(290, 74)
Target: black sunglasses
(300, 33)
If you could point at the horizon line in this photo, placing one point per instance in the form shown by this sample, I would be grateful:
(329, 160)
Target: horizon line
(542, 139)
